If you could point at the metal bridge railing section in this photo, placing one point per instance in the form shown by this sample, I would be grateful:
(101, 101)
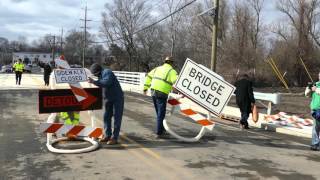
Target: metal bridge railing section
(131, 81)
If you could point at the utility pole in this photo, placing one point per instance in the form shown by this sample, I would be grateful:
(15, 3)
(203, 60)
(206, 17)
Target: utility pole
(214, 35)
(85, 36)
(53, 47)
(61, 41)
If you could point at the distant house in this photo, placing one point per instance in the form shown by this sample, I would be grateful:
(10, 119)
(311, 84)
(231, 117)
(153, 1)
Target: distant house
(32, 57)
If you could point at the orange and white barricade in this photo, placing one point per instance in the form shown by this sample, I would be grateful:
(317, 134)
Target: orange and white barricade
(185, 109)
(284, 119)
(86, 133)
(71, 130)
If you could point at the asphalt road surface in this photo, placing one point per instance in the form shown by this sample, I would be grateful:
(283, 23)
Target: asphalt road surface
(225, 153)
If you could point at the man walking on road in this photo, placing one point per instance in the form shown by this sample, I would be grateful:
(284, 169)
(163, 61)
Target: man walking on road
(114, 101)
(160, 80)
(46, 73)
(18, 69)
(313, 91)
(244, 99)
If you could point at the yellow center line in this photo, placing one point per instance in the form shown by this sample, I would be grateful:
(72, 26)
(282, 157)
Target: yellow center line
(162, 164)
(156, 166)
(123, 136)
(143, 148)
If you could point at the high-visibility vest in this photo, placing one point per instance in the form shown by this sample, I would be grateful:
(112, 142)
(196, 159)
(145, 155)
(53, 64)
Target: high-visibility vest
(161, 78)
(315, 103)
(18, 67)
(70, 118)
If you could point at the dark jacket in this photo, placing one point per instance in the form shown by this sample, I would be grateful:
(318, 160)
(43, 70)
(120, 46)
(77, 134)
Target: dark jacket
(244, 95)
(111, 85)
(47, 70)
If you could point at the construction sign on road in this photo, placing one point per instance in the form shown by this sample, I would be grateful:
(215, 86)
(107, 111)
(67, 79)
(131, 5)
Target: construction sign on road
(204, 87)
(72, 75)
(63, 100)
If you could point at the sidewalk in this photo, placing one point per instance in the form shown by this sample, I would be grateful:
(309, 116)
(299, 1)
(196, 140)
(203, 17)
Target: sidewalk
(233, 114)
(28, 81)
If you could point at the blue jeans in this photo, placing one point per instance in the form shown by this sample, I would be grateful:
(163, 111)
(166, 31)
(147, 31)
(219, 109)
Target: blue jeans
(315, 141)
(244, 118)
(115, 109)
(160, 105)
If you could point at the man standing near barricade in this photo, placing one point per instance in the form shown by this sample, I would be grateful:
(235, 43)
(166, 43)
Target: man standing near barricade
(244, 99)
(113, 95)
(313, 91)
(18, 69)
(160, 80)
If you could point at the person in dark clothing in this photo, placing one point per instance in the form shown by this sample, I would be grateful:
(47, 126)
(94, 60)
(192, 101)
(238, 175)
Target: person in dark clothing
(113, 95)
(47, 71)
(244, 99)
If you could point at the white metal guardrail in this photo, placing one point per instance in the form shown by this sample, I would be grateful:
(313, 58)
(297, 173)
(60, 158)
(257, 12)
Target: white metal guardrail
(270, 97)
(131, 81)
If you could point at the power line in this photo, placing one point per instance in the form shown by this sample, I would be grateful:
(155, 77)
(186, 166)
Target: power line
(160, 20)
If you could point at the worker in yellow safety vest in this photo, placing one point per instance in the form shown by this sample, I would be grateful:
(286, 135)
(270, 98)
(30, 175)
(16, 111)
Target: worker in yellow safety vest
(18, 69)
(160, 81)
(71, 117)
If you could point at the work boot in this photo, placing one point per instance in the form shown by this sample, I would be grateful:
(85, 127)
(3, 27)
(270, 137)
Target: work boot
(314, 148)
(163, 136)
(112, 142)
(241, 126)
(105, 139)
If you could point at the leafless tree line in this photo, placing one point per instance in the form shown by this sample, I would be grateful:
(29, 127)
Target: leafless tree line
(245, 40)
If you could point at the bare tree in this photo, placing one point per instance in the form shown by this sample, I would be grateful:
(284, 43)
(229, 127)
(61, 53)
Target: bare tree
(151, 47)
(121, 20)
(257, 6)
(174, 23)
(302, 16)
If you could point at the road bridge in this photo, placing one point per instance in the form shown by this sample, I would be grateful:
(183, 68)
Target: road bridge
(225, 153)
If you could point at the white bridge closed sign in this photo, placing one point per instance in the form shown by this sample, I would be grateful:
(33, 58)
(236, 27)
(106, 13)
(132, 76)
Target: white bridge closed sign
(72, 75)
(204, 87)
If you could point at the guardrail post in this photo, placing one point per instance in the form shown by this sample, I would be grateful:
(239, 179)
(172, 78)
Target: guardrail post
(269, 108)
(142, 76)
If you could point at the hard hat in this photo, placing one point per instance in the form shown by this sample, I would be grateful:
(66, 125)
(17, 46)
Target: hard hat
(168, 58)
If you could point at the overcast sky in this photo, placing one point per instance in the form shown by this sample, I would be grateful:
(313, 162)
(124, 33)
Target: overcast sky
(35, 18)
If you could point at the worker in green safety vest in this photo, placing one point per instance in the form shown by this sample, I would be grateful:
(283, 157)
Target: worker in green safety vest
(160, 81)
(18, 69)
(71, 117)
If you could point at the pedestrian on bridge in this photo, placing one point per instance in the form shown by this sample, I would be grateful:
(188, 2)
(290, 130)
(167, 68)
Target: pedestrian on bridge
(113, 95)
(18, 69)
(244, 99)
(46, 73)
(313, 91)
(160, 81)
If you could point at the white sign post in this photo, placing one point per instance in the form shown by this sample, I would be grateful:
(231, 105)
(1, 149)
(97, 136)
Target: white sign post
(72, 75)
(204, 87)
